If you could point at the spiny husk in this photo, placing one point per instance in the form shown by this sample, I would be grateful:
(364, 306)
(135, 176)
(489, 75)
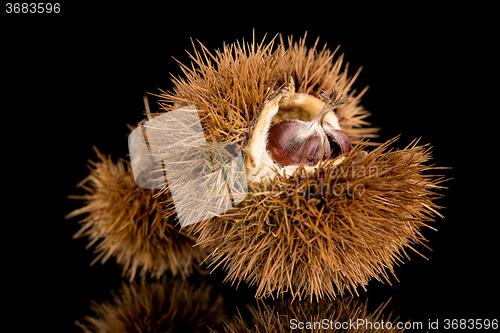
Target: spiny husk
(230, 86)
(167, 305)
(319, 246)
(288, 236)
(285, 241)
(133, 224)
(278, 317)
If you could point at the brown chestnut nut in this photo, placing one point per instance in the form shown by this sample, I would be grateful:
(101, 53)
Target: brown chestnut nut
(293, 142)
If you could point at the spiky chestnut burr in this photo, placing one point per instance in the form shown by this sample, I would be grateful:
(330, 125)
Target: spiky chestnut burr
(292, 142)
(134, 225)
(285, 237)
(327, 233)
(303, 230)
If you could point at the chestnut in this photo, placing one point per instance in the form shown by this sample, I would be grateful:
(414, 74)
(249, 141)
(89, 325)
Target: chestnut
(293, 142)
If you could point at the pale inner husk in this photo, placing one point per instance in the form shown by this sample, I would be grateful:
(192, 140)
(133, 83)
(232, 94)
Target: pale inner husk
(286, 104)
(303, 107)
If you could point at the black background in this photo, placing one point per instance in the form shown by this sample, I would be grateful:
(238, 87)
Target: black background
(75, 79)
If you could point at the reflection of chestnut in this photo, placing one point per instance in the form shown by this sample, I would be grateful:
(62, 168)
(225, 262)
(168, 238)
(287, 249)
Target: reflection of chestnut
(168, 305)
(292, 141)
(344, 314)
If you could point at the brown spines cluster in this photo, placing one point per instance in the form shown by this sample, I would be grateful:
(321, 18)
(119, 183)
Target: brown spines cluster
(230, 86)
(315, 235)
(132, 224)
(167, 305)
(325, 234)
(227, 87)
(319, 317)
